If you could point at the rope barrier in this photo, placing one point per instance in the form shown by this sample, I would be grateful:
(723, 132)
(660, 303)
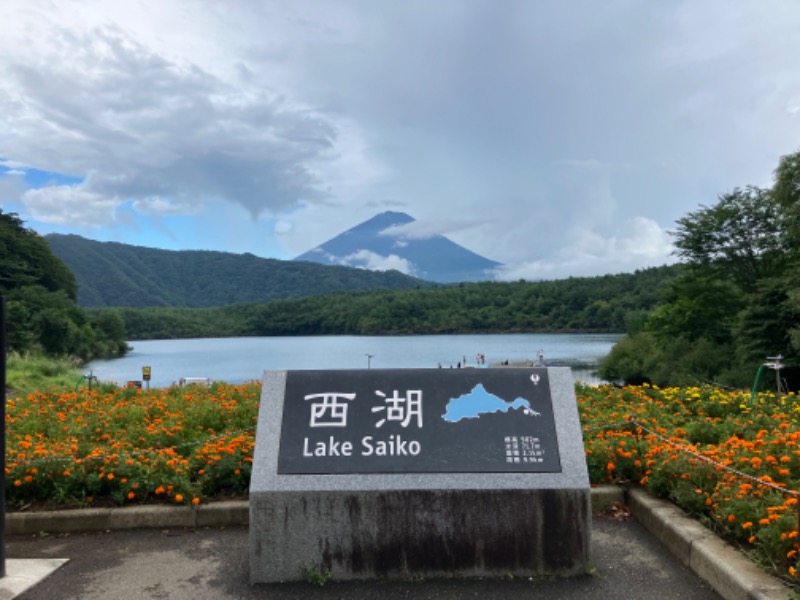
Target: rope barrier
(711, 461)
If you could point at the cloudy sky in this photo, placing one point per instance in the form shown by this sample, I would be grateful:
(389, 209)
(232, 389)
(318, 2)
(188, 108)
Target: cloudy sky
(559, 138)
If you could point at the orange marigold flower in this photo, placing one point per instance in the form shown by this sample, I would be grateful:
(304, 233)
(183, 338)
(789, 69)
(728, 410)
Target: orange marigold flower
(764, 522)
(791, 553)
(17, 482)
(110, 476)
(752, 539)
(131, 495)
(747, 525)
(610, 466)
(731, 518)
(195, 500)
(178, 498)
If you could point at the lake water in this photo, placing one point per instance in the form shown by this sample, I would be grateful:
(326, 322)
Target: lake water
(240, 359)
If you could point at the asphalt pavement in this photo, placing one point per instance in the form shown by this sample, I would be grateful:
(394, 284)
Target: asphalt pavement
(644, 549)
(212, 563)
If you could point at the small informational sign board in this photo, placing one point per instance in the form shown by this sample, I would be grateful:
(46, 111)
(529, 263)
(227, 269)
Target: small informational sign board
(427, 421)
(146, 373)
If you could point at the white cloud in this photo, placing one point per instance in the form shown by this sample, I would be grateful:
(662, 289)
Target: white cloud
(283, 227)
(162, 206)
(70, 205)
(420, 230)
(168, 134)
(375, 262)
(641, 243)
(525, 131)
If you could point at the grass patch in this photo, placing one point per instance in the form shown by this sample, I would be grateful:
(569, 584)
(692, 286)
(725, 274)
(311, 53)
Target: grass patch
(29, 373)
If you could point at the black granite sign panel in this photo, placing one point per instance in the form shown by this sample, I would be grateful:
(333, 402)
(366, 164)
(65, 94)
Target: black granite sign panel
(418, 421)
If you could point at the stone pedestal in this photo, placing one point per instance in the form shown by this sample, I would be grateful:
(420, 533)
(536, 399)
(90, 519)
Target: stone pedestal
(383, 524)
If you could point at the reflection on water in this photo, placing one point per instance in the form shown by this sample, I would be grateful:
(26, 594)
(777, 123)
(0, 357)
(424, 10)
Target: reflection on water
(242, 359)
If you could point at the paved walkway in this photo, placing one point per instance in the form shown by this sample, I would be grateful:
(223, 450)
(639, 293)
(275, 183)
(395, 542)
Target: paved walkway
(212, 563)
(153, 552)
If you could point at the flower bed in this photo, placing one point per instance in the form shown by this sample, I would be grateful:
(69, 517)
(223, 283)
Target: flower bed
(176, 445)
(734, 464)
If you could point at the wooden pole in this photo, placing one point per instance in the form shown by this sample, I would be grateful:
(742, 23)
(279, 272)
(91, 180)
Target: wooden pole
(3, 437)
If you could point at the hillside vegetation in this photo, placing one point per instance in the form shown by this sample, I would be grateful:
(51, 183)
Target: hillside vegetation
(42, 316)
(611, 303)
(110, 274)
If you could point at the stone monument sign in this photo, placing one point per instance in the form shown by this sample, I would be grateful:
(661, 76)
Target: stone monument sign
(419, 472)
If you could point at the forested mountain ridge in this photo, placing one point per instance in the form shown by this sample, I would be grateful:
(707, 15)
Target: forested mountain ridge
(609, 303)
(110, 274)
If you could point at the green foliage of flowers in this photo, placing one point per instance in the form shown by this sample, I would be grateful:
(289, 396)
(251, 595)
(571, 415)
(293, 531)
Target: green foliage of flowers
(733, 464)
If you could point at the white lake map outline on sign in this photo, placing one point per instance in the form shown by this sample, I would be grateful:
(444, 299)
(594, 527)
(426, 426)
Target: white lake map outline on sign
(479, 402)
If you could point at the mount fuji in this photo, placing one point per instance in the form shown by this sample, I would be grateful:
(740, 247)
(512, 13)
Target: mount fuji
(369, 245)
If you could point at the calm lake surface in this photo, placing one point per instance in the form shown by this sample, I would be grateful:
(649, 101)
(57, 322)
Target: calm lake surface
(241, 359)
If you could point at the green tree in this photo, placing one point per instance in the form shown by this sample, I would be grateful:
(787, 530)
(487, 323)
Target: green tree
(786, 193)
(743, 236)
(738, 301)
(41, 292)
